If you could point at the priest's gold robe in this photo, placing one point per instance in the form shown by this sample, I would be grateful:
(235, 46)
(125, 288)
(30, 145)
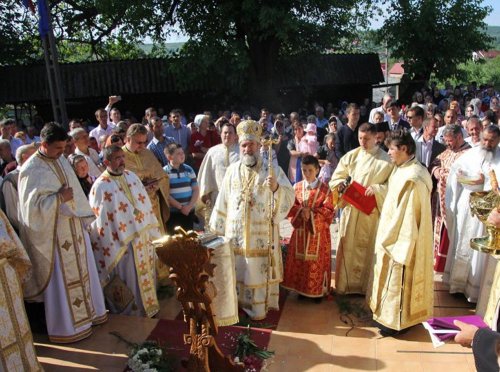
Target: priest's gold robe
(16, 341)
(357, 230)
(145, 165)
(242, 214)
(493, 306)
(402, 293)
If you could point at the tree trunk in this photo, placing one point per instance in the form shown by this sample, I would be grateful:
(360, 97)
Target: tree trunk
(263, 84)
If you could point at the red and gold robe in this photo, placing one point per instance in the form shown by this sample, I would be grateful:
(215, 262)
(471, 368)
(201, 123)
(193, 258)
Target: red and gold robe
(440, 171)
(308, 265)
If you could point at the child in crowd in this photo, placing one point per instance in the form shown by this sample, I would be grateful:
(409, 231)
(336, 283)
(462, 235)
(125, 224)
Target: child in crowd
(308, 264)
(184, 190)
(309, 142)
(327, 158)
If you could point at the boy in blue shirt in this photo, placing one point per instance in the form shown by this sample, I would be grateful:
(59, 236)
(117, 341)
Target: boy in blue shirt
(184, 189)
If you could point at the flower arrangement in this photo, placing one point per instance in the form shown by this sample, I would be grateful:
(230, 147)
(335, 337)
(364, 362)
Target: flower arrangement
(149, 357)
(249, 353)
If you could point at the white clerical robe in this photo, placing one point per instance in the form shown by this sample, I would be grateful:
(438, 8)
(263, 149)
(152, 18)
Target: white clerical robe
(242, 214)
(402, 294)
(55, 237)
(464, 266)
(357, 230)
(121, 235)
(213, 168)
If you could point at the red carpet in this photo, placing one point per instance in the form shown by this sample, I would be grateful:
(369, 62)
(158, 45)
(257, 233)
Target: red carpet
(271, 321)
(170, 334)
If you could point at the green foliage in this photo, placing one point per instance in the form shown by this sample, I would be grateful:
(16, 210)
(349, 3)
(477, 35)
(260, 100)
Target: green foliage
(483, 72)
(435, 36)
(494, 32)
(247, 347)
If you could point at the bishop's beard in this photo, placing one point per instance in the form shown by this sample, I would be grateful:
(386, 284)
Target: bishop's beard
(488, 154)
(250, 160)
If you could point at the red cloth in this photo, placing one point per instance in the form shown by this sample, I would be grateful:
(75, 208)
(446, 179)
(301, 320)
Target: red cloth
(197, 142)
(355, 195)
(308, 264)
(442, 252)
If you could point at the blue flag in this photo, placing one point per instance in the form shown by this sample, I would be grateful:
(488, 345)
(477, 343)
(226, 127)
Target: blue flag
(43, 18)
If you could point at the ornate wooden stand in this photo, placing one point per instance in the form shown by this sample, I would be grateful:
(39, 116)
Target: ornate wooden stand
(190, 270)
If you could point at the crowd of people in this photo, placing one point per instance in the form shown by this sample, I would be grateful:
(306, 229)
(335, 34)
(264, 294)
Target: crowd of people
(88, 202)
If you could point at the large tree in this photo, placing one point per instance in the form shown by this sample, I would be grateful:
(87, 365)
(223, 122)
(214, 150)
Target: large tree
(254, 37)
(435, 36)
(235, 44)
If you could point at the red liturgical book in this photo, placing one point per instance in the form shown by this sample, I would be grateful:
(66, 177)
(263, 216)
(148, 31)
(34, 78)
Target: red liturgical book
(355, 195)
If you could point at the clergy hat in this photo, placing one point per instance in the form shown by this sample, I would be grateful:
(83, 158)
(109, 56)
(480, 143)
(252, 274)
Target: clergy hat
(249, 130)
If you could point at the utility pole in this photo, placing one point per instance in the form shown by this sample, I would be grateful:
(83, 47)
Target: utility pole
(52, 64)
(386, 67)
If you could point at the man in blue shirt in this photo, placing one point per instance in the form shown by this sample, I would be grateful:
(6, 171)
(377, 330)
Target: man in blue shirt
(179, 132)
(160, 141)
(184, 190)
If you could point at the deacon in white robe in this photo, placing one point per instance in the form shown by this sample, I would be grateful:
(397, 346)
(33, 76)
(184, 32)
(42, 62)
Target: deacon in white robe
(242, 213)
(213, 168)
(53, 221)
(121, 237)
(465, 267)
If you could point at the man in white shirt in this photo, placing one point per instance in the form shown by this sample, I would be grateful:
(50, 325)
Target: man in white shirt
(6, 126)
(450, 117)
(102, 129)
(114, 115)
(415, 117)
(427, 148)
(386, 101)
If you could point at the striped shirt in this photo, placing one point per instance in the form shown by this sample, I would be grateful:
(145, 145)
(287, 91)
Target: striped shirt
(181, 181)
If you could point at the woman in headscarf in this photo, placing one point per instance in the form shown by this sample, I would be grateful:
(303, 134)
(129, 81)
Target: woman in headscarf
(81, 168)
(200, 141)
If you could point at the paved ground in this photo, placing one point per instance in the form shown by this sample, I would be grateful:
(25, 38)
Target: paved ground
(309, 337)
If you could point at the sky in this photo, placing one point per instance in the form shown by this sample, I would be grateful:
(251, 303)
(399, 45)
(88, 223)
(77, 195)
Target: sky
(492, 20)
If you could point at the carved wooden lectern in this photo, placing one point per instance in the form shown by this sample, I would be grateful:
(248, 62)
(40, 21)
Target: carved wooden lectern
(191, 270)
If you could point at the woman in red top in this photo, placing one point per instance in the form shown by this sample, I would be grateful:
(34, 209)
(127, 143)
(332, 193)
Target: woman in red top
(200, 141)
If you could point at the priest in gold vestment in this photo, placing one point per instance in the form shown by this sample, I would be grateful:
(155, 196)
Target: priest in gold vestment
(53, 220)
(242, 214)
(402, 294)
(144, 164)
(16, 341)
(367, 165)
